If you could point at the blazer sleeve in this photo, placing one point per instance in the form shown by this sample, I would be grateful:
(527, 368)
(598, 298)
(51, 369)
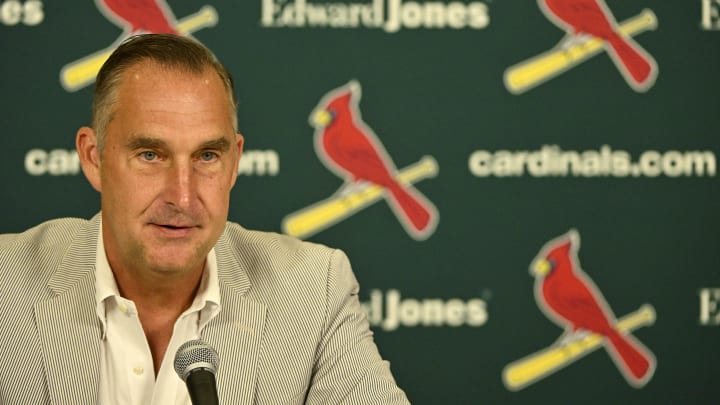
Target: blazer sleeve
(348, 367)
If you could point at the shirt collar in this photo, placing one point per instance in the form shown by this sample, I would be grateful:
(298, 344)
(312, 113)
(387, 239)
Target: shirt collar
(207, 298)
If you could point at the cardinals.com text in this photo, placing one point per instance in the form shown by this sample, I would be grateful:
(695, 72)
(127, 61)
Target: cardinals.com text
(552, 161)
(65, 162)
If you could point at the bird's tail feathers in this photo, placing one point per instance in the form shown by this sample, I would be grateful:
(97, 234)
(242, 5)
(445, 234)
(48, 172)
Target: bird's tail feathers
(632, 357)
(632, 61)
(413, 208)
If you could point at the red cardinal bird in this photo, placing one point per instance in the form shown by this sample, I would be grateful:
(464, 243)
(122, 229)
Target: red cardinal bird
(152, 16)
(592, 17)
(570, 299)
(350, 149)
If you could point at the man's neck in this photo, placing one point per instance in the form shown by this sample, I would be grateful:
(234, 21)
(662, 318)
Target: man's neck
(159, 301)
(159, 293)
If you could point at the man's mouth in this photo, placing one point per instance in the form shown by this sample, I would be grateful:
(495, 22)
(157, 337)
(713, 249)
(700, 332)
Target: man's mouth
(174, 230)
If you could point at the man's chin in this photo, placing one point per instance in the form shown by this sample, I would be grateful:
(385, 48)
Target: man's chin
(175, 261)
(171, 269)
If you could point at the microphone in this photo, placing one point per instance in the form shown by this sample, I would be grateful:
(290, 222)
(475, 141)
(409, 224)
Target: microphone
(196, 363)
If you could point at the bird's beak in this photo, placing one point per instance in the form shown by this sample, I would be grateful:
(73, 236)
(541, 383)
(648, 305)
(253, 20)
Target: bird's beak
(322, 118)
(541, 268)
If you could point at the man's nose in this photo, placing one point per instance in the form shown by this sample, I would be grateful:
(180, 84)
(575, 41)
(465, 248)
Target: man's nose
(180, 185)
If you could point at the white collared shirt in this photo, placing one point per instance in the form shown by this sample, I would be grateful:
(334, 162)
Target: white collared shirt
(127, 375)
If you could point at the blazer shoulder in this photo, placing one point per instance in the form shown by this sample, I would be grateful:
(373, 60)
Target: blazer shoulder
(41, 247)
(264, 253)
(52, 233)
(29, 260)
(242, 238)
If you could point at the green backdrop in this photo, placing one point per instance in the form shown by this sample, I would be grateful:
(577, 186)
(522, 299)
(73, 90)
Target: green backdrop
(630, 167)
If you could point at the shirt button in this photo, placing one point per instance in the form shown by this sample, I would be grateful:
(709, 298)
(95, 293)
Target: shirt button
(139, 370)
(123, 308)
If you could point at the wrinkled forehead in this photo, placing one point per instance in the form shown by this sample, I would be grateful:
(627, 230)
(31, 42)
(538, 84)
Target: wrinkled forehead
(148, 80)
(150, 75)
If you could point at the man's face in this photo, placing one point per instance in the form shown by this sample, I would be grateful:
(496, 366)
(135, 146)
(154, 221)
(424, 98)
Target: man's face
(169, 161)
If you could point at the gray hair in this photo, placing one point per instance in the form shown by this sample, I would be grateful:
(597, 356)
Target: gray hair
(169, 51)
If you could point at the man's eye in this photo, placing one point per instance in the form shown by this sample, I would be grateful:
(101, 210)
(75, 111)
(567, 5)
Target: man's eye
(208, 156)
(148, 155)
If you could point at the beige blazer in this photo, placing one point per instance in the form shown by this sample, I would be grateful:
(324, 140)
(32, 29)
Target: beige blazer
(291, 329)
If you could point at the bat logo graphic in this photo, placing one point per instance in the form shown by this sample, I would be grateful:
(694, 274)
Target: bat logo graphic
(135, 16)
(350, 149)
(591, 28)
(568, 297)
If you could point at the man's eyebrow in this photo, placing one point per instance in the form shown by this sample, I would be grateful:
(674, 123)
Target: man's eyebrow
(221, 144)
(145, 142)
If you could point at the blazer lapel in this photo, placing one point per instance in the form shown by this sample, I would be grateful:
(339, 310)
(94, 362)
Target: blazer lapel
(68, 326)
(237, 331)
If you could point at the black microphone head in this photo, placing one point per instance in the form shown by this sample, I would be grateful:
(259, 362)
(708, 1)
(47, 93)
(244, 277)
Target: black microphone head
(193, 355)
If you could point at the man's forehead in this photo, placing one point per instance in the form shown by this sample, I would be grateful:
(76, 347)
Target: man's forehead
(148, 82)
(145, 71)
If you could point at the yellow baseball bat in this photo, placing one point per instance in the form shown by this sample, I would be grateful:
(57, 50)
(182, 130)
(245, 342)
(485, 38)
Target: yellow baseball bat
(525, 371)
(317, 217)
(78, 74)
(528, 74)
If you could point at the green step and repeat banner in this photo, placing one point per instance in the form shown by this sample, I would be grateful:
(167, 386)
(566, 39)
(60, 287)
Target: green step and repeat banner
(530, 204)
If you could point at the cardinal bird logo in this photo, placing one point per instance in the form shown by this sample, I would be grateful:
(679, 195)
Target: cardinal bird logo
(135, 17)
(140, 16)
(569, 298)
(591, 28)
(350, 149)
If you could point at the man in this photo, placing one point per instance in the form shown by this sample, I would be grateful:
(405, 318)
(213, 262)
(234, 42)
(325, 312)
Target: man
(94, 311)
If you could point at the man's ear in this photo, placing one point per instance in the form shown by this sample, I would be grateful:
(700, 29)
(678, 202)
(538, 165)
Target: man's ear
(87, 149)
(239, 144)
